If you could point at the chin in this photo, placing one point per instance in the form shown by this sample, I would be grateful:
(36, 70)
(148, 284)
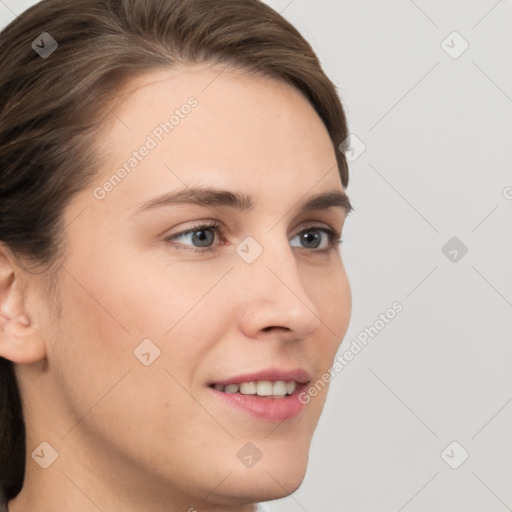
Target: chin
(272, 479)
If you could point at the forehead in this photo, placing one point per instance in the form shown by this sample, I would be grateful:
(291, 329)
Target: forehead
(206, 125)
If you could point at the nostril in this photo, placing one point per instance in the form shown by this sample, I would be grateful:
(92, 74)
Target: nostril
(277, 327)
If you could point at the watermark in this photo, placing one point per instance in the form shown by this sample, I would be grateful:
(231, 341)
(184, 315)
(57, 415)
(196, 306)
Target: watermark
(355, 348)
(44, 45)
(156, 136)
(455, 455)
(352, 147)
(455, 249)
(147, 352)
(454, 45)
(249, 454)
(249, 249)
(507, 193)
(45, 455)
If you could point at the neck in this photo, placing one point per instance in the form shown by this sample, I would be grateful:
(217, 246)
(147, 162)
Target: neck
(79, 482)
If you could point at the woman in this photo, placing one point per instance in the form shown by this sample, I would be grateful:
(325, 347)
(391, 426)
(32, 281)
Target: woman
(171, 286)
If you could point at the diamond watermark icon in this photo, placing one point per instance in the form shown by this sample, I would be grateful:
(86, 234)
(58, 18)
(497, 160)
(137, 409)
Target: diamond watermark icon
(249, 249)
(454, 249)
(147, 352)
(353, 147)
(45, 455)
(249, 454)
(454, 45)
(454, 455)
(44, 45)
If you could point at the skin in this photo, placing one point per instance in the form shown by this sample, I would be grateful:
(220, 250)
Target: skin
(132, 437)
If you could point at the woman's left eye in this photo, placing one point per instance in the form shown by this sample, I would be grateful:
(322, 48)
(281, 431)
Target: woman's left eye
(320, 239)
(201, 238)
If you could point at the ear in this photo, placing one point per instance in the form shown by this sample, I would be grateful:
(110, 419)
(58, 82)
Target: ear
(20, 341)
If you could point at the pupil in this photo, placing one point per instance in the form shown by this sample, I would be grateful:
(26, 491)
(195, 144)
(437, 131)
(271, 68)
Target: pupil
(311, 237)
(203, 237)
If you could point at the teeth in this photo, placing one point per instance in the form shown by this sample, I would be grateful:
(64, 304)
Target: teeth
(290, 387)
(231, 388)
(279, 388)
(261, 388)
(264, 388)
(248, 388)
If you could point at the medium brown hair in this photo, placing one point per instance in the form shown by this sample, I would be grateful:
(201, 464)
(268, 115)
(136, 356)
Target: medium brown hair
(51, 108)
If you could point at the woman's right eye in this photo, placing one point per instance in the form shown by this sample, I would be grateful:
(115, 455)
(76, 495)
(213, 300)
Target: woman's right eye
(200, 237)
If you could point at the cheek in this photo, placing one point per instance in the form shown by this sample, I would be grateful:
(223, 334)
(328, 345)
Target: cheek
(103, 325)
(330, 291)
(173, 302)
(92, 350)
(173, 311)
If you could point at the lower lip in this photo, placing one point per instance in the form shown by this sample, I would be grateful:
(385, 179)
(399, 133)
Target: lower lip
(264, 407)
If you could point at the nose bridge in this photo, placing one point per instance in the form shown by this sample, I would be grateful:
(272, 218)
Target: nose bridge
(275, 295)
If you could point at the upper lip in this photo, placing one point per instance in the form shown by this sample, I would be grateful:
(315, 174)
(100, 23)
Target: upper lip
(299, 375)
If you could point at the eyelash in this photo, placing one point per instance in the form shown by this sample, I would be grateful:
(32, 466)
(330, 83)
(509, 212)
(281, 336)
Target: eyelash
(333, 237)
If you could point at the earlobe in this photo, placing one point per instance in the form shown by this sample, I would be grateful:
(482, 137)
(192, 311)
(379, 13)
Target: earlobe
(20, 341)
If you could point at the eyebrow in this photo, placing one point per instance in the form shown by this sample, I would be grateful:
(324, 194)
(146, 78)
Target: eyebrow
(203, 196)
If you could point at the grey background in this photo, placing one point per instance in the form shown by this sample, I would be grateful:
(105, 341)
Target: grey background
(437, 165)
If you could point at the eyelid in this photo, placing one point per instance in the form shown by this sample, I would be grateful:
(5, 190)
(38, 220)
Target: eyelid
(318, 225)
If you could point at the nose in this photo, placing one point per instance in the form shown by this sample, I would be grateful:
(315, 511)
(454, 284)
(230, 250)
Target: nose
(275, 303)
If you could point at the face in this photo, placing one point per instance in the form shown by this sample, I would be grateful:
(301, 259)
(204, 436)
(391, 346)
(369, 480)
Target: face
(195, 263)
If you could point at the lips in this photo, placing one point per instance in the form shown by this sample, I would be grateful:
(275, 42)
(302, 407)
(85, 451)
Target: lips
(276, 405)
(299, 375)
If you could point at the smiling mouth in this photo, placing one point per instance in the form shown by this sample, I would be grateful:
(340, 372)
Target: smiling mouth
(260, 388)
(269, 395)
